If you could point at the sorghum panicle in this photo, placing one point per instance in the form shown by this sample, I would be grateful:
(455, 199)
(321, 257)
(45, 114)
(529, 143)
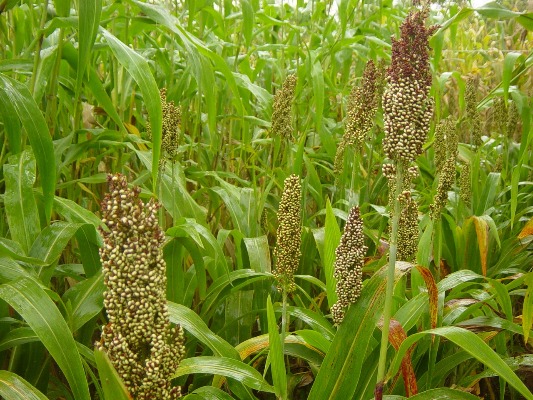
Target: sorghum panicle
(362, 107)
(407, 228)
(349, 261)
(472, 114)
(282, 108)
(139, 340)
(464, 184)
(406, 103)
(170, 125)
(287, 251)
(446, 167)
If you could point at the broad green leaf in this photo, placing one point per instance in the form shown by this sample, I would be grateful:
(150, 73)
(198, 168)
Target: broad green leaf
(437, 394)
(88, 22)
(139, 69)
(472, 344)
(13, 387)
(258, 253)
(112, 385)
(277, 362)
(95, 86)
(247, 21)
(331, 242)
(223, 366)
(208, 393)
(42, 315)
(339, 373)
(52, 241)
(21, 208)
(89, 242)
(16, 337)
(527, 310)
(11, 122)
(192, 323)
(87, 300)
(35, 127)
(12, 249)
(508, 67)
(73, 212)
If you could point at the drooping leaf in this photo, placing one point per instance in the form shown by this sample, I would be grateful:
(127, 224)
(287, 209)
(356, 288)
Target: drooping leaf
(13, 387)
(41, 314)
(35, 127)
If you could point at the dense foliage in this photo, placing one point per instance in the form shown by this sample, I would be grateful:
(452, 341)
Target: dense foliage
(339, 192)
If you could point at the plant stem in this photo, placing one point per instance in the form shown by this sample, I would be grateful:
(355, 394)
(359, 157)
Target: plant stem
(284, 320)
(390, 277)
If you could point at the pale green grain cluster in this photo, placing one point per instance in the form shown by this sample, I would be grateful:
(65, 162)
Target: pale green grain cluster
(170, 125)
(472, 115)
(349, 261)
(287, 251)
(282, 109)
(446, 152)
(408, 234)
(139, 340)
(362, 107)
(465, 184)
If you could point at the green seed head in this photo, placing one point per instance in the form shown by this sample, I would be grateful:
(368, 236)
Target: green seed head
(287, 251)
(282, 108)
(143, 347)
(349, 261)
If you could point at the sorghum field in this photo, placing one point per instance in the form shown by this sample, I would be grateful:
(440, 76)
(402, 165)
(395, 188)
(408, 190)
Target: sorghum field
(259, 199)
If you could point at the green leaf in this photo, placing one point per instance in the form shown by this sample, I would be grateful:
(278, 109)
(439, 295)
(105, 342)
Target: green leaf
(73, 212)
(437, 394)
(41, 314)
(21, 208)
(16, 337)
(508, 67)
(192, 323)
(227, 367)
(340, 371)
(89, 242)
(277, 362)
(208, 393)
(527, 310)
(258, 253)
(88, 22)
(112, 385)
(139, 69)
(331, 242)
(52, 241)
(13, 387)
(87, 300)
(35, 126)
(473, 345)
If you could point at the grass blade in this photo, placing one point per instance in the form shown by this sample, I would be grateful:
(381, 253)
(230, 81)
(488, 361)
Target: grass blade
(227, 367)
(112, 385)
(140, 71)
(35, 126)
(279, 374)
(88, 22)
(13, 387)
(473, 345)
(41, 314)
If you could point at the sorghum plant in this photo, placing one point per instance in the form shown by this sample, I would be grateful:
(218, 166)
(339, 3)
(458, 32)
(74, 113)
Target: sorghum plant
(472, 115)
(349, 259)
(362, 107)
(170, 125)
(139, 340)
(287, 251)
(445, 159)
(407, 116)
(282, 109)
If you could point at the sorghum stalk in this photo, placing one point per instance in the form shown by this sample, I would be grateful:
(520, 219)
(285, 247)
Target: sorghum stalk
(139, 340)
(407, 115)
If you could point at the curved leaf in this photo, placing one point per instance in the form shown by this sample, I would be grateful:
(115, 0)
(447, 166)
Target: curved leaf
(473, 345)
(140, 71)
(227, 367)
(112, 385)
(13, 387)
(35, 126)
(42, 315)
